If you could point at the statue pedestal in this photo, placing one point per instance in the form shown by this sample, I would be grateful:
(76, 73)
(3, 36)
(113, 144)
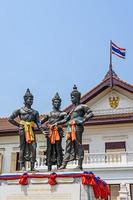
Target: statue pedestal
(38, 188)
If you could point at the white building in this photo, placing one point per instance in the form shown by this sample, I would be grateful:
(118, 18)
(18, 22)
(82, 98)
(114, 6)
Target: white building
(107, 138)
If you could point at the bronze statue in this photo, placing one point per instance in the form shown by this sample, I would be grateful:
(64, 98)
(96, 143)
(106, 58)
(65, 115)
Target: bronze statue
(54, 154)
(75, 126)
(28, 118)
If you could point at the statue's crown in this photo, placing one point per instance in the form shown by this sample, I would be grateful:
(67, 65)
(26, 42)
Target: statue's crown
(56, 97)
(75, 92)
(28, 94)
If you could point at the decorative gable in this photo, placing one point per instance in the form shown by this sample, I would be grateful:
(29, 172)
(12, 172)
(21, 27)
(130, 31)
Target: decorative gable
(113, 103)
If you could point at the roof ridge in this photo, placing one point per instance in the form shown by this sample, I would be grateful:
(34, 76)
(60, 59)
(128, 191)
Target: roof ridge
(125, 82)
(94, 87)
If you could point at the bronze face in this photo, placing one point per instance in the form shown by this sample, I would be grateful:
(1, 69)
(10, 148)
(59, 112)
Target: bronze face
(56, 103)
(75, 99)
(29, 101)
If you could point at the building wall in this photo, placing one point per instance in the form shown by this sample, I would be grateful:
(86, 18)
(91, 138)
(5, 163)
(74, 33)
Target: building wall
(10, 144)
(96, 136)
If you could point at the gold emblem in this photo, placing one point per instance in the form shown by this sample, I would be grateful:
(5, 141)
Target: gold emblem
(114, 102)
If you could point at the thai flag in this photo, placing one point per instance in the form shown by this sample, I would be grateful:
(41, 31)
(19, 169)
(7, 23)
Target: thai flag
(120, 52)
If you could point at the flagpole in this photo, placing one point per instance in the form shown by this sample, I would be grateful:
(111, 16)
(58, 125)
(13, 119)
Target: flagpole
(110, 66)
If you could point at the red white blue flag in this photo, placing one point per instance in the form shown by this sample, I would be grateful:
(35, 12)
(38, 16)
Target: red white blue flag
(120, 52)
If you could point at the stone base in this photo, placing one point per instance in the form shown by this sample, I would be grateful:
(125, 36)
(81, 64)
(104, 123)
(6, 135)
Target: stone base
(39, 189)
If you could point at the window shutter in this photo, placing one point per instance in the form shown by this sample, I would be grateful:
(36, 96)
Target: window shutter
(115, 145)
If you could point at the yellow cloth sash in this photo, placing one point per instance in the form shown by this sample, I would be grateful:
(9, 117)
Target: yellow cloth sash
(71, 135)
(29, 135)
(54, 134)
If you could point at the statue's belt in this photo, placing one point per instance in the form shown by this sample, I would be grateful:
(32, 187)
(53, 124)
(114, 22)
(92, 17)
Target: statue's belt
(54, 134)
(29, 135)
(71, 134)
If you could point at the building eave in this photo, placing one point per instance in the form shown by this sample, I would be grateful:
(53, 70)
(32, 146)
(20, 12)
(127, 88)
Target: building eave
(109, 121)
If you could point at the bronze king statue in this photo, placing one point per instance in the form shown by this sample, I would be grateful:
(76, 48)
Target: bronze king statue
(54, 153)
(28, 118)
(75, 126)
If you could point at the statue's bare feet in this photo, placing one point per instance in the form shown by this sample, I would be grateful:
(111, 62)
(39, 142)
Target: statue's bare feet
(49, 168)
(58, 167)
(79, 168)
(23, 169)
(62, 167)
(34, 170)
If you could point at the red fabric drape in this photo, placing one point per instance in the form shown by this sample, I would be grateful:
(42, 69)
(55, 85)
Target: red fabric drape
(88, 179)
(24, 179)
(52, 179)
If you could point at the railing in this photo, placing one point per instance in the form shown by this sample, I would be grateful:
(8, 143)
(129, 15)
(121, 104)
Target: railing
(114, 159)
(107, 158)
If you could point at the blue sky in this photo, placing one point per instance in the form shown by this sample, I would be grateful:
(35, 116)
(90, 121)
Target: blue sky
(48, 46)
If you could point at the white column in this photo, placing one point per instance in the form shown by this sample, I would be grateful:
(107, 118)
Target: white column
(124, 192)
(7, 159)
(124, 158)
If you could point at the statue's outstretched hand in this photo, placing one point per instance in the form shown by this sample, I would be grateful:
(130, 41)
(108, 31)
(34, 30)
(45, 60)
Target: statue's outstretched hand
(55, 124)
(21, 127)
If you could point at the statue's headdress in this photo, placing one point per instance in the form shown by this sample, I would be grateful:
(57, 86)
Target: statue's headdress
(28, 94)
(56, 97)
(75, 92)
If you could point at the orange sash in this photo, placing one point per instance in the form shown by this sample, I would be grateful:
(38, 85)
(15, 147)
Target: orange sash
(71, 135)
(54, 134)
(29, 135)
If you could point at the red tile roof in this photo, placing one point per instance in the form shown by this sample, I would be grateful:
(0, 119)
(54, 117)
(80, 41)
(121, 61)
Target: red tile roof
(8, 129)
(5, 125)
